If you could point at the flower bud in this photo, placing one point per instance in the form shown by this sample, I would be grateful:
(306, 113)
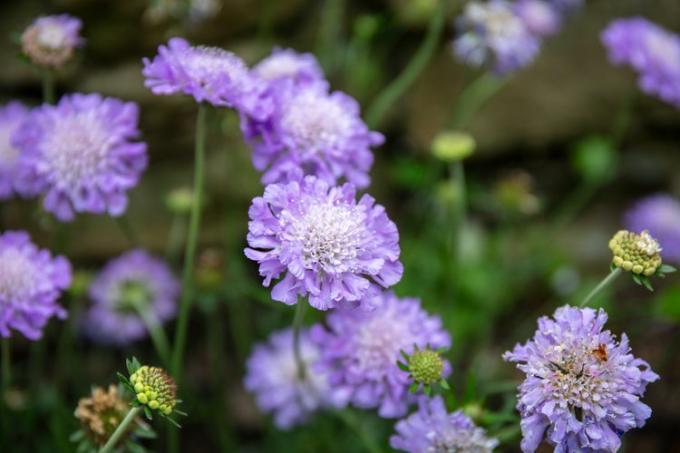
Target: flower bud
(637, 253)
(180, 200)
(453, 146)
(155, 388)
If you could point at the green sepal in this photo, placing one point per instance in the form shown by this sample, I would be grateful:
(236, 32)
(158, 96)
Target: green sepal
(403, 367)
(643, 281)
(666, 269)
(148, 413)
(444, 384)
(179, 412)
(77, 436)
(172, 421)
(612, 267)
(132, 365)
(413, 388)
(404, 355)
(427, 389)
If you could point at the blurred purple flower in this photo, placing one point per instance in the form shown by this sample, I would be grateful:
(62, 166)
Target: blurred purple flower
(433, 429)
(660, 215)
(132, 282)
(272, 375)
(581, 385)
(81, 155)
(31, 281)
(51, 40)
(329, 247)
(567, 6)
(11, 116)
(491, 33)
(539, 16)
(287, 64)
(652, 51)
(361, 349)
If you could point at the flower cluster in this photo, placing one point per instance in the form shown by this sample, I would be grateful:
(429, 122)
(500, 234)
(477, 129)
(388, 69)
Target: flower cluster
(31, 281)
(51, 40)
(638, 253)
(660, 215)
(285, 65)
(154, 388)
(327, 245)
(11, 116)
(649, 49)
(582, 388)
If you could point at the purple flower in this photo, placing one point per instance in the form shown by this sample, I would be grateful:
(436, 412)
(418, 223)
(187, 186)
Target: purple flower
(652, 51)
(583, 388)
(433, 429)
(31, 281)
(11, 116)
(566, 6)
(132, 284)
(80, 155)
(312, 131)
(51, 40)
(272, 375)
(493, 34)
(660, 215)
(208, 74)
(361, 348)
(326, 244)
(539, 16)
(287, 64)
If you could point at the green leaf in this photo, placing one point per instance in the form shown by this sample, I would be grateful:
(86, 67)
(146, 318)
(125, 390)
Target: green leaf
(148, 413)
(444, 384)
(636, 279)
(177, 425)
(132, 365)
(667, 269)
(413, 388)
(77, 436)
(646, 283)
(179, 412)
(402, 366)
(404, 355)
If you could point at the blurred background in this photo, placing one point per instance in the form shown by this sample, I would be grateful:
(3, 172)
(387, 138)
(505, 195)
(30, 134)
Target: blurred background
(563, 149)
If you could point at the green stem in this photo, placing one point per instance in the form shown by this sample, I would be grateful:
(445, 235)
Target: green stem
(122, 429)
(398, 87)
(190, 249)
(6, 365)
(575, 202)
(177, 227)
(48, 86)
(457, 180)
(330, 35)
(297, 327)
(156, 332)
(473, 97)
(350, 420)
(127, 230)
(602, 285)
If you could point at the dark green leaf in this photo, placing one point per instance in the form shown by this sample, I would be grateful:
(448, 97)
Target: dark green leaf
(402, 366)
(413, 388)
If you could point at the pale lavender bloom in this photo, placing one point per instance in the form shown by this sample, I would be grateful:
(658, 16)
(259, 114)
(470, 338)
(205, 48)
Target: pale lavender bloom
(652, 51)
(208, 74)
(492, 34)
(582, 389)
(287, 64)
(539, 16)
(31, 281)
(361, 349)
(324, 243)
(11, 116)
(272, 375)
(432, 430)
(312, 132)
(132, 284)
(660, 215)
(51, 40)
(81, 155)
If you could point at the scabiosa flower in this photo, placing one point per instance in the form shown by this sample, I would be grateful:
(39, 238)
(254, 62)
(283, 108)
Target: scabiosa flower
(11, 116)
(287, 64)
(638, 253)
(361, 349)
(327, 245)
(31, 281)
(652, 51)
(583, 387)
(493, 34)
(81, 155)
(208, 74)
(312, 131)
(433, 429)
(51, 40)
(660, 215)
(272, 375)
(132, 282)
(539, 16)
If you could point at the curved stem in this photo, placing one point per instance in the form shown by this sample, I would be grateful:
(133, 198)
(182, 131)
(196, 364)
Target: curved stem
(297, 327)
(602, 285)
(398, 87)
(122, 428)
(156, 332)
(350, 420)
(190, 249)
(48, 86)
(473, 97)
(127, 230)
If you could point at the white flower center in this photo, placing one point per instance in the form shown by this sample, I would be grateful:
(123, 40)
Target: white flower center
(277, 67)
(51, 36)
(462, 441)
(17, 275)
(648, 244)
(8, 153)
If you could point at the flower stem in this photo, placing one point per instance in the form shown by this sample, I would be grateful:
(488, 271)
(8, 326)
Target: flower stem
(473, 96)
(127, 230)
(48, 86)
(190, 249)
(6, 365)
(351, 421)
(175, 235)
(297, 327)
(122, 428)
(398, 87)
(156, 332)
(602, 285)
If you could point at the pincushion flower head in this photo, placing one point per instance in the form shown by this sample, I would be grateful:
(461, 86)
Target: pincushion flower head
(433, 429)
(322, 243)
(362, 349)
(660, 215)
(31, 281)
(493, 34)
(51, 40)
(132, 284)
(313, 132)
(539, 16)
(11, 116)
(81, 154)
(272, 376)
(583, 387)
(652, 51)
(638, 253)
(208, 74)
(289, 65)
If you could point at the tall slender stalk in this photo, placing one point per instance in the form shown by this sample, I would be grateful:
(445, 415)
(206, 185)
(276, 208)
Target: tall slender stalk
(122, 428)
(156, 332)
(350, 420)
(473, 97)
(48, 86)
(127, 230)
(297, 327)
(602, 285)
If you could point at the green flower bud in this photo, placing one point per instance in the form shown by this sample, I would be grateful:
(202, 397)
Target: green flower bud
(426, 366)
(155, 388)
(453, 146)
(179, 201)
(637, 253)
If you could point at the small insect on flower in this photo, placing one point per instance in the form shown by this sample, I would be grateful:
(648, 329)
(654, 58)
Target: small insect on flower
(601, 352)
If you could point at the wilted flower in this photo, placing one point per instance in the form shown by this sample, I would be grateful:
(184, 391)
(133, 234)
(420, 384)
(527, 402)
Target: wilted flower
(660, 215)
(31, 281)
(51, 40)
(493, 34)
(433, 429)
(155, 389)
(582, 387)
(11, 116)
(638, 253)
(133, 282)
(287, 64)
(539, 16)
(652, 51)
(328, 246)
(81, 155)
(272, 375)
(361, 349)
